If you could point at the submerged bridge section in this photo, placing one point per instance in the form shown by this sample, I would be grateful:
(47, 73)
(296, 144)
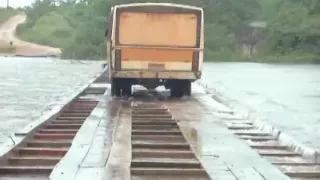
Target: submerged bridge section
(148, 136)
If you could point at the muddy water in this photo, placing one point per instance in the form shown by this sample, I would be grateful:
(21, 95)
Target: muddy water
(30, 87)
(286, 96)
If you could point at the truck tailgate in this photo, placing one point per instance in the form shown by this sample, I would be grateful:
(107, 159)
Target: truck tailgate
(158, 29)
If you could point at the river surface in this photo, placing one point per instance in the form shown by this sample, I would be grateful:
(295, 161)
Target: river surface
(30, 87)
(286, 96)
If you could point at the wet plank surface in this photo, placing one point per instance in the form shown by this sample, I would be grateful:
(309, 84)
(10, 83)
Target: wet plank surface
(90, 150)
(215, 144)
(102, 148)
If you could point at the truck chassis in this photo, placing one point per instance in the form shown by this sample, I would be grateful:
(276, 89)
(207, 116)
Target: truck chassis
(123, 86)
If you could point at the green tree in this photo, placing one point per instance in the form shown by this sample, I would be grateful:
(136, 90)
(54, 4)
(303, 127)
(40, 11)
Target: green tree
(78, 26)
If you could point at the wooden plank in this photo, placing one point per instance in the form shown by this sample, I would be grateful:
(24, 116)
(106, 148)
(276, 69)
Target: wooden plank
(246, 173)
(242, 161)
(69, 166)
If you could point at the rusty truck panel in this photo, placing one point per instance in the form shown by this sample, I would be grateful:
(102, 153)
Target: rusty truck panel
(158, 29)
(155, 44)
(156, 54)
(157, 40)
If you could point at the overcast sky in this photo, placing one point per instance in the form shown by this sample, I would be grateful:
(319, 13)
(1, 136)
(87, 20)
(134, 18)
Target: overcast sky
(16, 3)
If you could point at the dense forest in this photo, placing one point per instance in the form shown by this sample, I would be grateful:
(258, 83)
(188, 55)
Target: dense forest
(270, 30)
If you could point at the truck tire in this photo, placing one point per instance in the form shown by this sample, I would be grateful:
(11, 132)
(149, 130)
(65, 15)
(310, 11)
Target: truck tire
(188, 88)
(176, 89)
(180, 88)
(115, 88)
(127, 90)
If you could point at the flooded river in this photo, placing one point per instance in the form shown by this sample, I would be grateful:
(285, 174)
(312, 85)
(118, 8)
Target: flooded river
(287, 96)
(29, 87)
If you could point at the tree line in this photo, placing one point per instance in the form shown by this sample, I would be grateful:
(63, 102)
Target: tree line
(291, 32)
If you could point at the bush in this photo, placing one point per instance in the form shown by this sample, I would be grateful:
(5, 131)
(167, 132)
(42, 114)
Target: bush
(6, 13)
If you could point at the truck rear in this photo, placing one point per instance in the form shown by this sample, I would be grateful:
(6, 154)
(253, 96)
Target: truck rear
(155, 44)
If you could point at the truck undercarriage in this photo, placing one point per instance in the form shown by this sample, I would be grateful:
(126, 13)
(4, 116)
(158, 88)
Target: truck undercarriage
(123, 86)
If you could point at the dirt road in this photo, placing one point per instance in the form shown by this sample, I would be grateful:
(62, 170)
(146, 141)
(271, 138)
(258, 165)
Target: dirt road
(8, 34)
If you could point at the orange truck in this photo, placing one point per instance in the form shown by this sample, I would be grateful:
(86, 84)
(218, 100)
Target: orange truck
(154, 44)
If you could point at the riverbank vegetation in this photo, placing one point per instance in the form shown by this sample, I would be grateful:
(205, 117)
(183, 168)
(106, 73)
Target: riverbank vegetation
(4, 49)
(6, 13)
(255, 30)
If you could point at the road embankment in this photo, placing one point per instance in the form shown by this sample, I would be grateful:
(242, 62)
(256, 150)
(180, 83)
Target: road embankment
(17, 47)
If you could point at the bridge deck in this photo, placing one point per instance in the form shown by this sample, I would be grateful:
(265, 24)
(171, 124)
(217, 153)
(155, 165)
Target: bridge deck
(102, 148)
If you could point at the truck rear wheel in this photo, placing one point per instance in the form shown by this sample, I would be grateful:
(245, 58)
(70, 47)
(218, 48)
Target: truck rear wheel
(175, 91)
(115, 87)
(180, 88)
(121, 87)
(127, 89)
(188, 88)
